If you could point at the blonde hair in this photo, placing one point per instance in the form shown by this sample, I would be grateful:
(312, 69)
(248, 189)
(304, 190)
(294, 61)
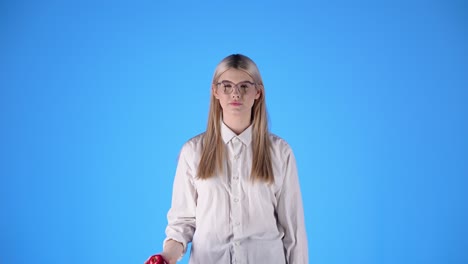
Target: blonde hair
(212, 154)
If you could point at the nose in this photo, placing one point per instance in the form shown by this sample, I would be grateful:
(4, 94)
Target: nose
(235, 93)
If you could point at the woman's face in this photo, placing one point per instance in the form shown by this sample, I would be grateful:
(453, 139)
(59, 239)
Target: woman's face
(236, 93)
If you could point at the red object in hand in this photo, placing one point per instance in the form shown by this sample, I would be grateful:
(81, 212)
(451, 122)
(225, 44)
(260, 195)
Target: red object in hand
(156, 259)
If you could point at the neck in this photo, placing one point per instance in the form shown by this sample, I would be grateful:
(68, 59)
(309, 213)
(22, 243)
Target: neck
(236, 123)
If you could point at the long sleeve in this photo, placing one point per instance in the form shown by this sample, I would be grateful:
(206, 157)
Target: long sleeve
(181, 216)
(291, 215)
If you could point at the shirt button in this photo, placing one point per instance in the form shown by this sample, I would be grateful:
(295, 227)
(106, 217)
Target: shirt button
(236, 243)
(236, 200)
(236, 178)
(236, 157)
(237, 223)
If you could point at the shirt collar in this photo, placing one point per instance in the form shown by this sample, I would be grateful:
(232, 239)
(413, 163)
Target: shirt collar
(227, 134)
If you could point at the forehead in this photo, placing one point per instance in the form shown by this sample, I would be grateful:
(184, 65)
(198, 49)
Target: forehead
(235, 76)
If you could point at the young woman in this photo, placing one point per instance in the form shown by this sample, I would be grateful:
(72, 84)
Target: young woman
(236, 192)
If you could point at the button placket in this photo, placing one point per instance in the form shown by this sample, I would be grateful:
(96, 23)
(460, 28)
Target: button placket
(235, 187)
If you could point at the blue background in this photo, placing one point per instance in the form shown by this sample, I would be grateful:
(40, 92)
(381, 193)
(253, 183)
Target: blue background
(97, 98)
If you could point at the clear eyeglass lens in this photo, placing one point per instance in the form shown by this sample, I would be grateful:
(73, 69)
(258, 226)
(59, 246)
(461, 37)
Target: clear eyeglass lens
(243, 87)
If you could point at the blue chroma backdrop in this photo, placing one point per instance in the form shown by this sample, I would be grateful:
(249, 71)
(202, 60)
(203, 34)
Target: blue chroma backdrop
(96, 99)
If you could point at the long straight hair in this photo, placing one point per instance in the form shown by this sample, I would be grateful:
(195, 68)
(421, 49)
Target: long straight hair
(212, 156)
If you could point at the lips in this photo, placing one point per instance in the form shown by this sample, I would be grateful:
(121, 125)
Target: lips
(235, 103)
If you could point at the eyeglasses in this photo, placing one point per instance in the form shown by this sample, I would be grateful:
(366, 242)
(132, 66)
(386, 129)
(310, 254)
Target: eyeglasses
(242, 87)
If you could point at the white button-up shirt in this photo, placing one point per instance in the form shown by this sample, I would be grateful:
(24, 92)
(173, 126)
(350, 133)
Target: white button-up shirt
(230, 219)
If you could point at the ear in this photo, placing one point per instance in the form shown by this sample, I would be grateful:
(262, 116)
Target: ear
(257, 95)
(214, 91)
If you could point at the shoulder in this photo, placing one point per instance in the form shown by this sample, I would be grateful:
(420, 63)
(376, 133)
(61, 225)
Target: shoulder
(193, 145)
(279, 144)
(282, 158)
(196, 140)
(280, 149)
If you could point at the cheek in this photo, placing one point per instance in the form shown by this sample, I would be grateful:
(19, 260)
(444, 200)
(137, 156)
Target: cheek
(222, 101)
(251, 101)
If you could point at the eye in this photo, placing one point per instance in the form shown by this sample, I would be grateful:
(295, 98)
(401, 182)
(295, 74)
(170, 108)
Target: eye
(226, 85)
(244, 86)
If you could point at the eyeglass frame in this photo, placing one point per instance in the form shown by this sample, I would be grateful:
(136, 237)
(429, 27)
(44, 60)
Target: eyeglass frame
(236, 85)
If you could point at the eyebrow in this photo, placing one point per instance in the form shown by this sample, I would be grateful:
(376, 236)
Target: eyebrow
(234, 82)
